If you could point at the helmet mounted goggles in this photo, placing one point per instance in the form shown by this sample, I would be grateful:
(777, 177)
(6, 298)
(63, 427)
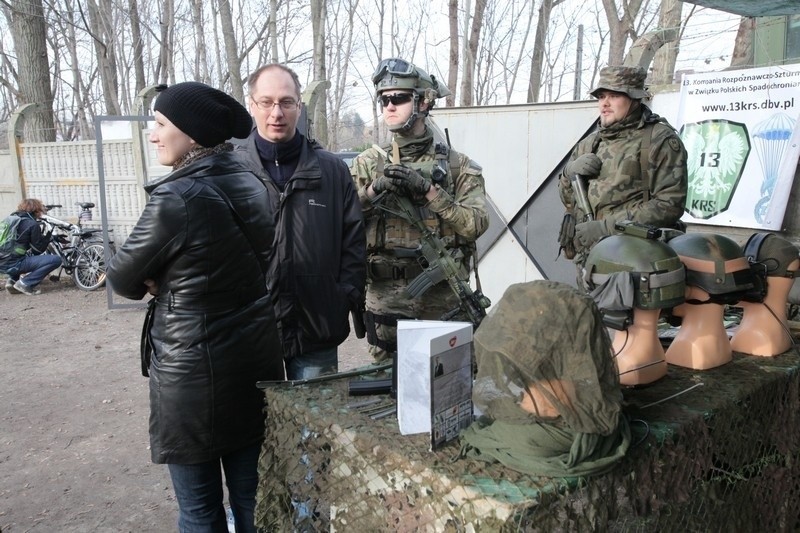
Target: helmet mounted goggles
(394, 67)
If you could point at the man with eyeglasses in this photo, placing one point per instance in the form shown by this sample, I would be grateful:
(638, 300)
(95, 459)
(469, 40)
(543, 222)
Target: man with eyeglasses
(317, 272)
(446, 187)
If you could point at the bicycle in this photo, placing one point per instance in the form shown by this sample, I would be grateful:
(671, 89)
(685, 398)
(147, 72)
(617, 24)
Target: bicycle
(82, 253)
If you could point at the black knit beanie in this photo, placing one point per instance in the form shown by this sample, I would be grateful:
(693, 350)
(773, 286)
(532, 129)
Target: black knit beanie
(207, 115)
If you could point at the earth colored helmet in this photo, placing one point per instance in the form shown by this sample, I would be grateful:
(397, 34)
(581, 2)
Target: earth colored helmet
(715, 264)
(396, 73)
(626, 80)
(652, 268)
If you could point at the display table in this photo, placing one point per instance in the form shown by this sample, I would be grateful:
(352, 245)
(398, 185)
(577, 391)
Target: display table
(712, 450)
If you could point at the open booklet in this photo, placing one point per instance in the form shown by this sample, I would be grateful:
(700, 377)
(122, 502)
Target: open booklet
(434, 378)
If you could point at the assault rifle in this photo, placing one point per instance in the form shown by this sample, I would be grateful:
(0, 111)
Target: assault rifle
(438, 263)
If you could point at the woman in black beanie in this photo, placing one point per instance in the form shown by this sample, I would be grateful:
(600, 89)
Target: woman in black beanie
(201, 247)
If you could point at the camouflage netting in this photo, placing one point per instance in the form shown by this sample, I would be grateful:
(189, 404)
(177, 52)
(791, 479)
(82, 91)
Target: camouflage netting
(724, 455)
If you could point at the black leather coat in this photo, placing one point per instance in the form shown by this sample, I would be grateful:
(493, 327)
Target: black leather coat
(213, 328)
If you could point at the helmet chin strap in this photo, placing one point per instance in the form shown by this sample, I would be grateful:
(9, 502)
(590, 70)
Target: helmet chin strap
(406, 126)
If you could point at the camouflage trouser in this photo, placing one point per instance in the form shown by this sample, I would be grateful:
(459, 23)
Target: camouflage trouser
(389, 298)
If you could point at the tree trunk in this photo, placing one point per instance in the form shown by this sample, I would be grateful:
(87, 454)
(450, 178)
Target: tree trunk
(667, 55)
(743, 46)
(319, 119)
(82, 130)
(201, 57)
(138, 47)
(472, 53)
(231, 50)
(99, 26)
(537, 58)
(28, 31)
(452, 71)
(620, 27)
(164, 68)
(273, 30)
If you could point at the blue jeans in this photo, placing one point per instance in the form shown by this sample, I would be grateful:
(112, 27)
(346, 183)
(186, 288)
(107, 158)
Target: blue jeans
(312, 364)
(198, 489)
(36, 266)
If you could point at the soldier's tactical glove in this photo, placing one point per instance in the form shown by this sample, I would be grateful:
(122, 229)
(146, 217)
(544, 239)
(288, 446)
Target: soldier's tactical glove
(585, 165)
(409, 179)
(588, 233)
(382, 183)
(566, 235)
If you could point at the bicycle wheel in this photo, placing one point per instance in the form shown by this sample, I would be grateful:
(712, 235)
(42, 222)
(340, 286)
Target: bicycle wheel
(90, 268)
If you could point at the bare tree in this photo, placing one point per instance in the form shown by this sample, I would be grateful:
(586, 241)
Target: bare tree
(318, 15)
(138, 47)
(621, 26)
(28, 31)
(537, 58)
(452, 71)
(165, 72)
(231, 51)
(743, 46)
(472, 53)
(669, 20)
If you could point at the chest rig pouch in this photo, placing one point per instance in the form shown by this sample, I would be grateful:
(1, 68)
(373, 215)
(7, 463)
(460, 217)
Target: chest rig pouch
(392, 233)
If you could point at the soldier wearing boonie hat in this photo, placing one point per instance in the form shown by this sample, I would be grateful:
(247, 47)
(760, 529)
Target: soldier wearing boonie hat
(633, 166)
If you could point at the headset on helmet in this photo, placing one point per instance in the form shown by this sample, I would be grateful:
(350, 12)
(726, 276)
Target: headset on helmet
(715, 264)
(627, 271)
(768, 255)
(396, 73)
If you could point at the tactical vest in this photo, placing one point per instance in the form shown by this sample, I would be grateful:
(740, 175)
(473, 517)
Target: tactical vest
(390, 238)
(386, 232)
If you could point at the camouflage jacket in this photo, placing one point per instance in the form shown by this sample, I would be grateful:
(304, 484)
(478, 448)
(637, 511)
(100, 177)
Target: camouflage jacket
(457, 214)
(618, 193)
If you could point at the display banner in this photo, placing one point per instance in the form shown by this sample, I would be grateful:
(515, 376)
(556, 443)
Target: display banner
(742, 135)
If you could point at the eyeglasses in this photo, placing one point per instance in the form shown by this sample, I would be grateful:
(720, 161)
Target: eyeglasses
(395, 99)
(286, 104)
(394, 66)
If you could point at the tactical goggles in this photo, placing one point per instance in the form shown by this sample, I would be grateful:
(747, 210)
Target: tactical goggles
(395, 99)
(395, 67)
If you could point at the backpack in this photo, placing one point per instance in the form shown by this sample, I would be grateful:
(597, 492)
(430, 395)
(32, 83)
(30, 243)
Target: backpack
(8, 235)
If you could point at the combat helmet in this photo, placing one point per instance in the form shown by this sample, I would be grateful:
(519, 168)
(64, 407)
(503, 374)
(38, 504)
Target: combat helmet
(626, 271)
(715, 264)
(396, 73)
(768, 255)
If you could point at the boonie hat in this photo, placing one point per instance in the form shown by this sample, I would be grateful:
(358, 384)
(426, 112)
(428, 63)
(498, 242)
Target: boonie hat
(626, 80)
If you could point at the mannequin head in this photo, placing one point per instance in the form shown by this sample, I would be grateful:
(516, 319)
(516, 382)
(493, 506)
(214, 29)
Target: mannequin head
(763, 329)
(631, 279)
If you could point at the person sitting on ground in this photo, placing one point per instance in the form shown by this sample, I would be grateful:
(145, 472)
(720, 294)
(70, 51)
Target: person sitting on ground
(28, 256)
(546, 387)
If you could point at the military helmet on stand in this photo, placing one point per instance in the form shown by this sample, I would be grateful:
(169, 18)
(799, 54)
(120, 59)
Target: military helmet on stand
(768, 255)
(645, 269)
(396, 73)
(715, 264)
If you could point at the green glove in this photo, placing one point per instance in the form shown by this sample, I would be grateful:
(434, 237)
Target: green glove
(588, 233)
(382, 183)
(409, 179)
(588, 165)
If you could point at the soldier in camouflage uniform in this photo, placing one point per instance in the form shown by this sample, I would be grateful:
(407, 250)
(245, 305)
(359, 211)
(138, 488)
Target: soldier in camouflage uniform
(634, 166)
(446, 187)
